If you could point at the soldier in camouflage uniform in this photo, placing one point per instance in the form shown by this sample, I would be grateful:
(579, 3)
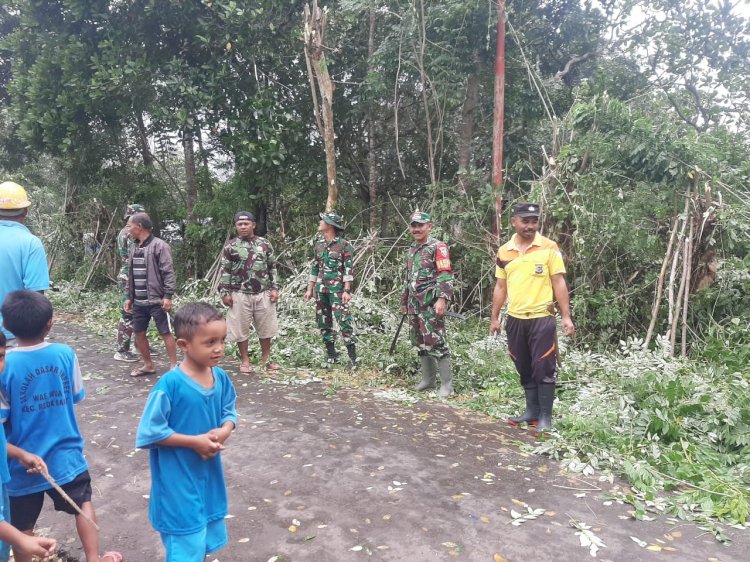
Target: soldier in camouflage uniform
(250, 288)
(428, 290)
(331, 279)
(125, 325)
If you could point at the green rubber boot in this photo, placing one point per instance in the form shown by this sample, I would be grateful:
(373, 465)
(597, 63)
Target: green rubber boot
(446, 377)
(429, 370)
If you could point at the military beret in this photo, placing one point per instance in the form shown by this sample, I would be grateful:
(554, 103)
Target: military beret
(244, 216)
(526, 210)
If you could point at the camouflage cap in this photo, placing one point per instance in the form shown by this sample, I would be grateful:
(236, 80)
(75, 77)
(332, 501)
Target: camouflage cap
(420, 217)
(332, 218)
(134, 208)
(525, 210)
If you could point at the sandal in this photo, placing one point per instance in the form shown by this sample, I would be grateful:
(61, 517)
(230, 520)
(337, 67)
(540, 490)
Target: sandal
(270, 366)
(141, 372)
(246, 369)
(115, 556)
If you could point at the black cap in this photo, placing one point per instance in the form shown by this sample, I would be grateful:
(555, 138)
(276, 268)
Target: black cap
(526, 210)
(244, 216)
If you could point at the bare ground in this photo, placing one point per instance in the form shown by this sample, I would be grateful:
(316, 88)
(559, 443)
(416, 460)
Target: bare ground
(316, 474)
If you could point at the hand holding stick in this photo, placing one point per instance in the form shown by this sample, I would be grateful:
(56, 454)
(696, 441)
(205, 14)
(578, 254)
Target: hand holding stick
(67, 498)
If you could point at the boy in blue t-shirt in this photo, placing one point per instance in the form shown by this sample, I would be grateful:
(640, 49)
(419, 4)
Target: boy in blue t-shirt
(41, 384)
(37, 546)
(189, 415)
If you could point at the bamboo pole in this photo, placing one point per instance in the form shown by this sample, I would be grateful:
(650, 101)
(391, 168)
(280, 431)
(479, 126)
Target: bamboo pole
(678, 300)
(673, 270)
(687, 273)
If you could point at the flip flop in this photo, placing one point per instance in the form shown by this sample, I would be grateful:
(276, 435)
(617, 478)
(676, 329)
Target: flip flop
(115, 556)
(272, 366)
(247, 369)
(141, 372)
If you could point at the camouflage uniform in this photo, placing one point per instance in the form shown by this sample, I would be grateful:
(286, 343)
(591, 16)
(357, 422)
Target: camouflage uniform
(125, 325)
(331, 268)
(428, 278)
(248, 265)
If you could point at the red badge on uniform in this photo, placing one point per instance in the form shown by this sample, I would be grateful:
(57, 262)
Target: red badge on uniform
(442, 259)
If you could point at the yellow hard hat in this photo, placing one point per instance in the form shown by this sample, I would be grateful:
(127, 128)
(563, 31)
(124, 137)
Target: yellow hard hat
(13, 196)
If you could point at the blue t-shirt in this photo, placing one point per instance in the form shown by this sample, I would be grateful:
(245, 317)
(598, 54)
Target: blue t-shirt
(38, 389)
(186, 492)
(4, 473)
(24, 262)
(4, 479)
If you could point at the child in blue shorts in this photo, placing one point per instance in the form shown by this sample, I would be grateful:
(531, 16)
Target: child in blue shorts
(10, 536)
(189, 415)
(41, 384)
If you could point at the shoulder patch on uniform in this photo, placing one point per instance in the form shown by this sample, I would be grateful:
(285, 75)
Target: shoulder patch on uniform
(442, 257)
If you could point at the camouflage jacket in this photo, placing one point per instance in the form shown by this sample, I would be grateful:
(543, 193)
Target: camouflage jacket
(248, 265)
(332, 265)
(428, 275)
(124, 243)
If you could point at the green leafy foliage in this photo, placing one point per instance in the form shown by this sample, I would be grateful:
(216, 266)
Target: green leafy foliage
(678, 431)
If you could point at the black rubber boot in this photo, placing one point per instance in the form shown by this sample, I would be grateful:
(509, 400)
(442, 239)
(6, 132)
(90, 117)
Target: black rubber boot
(429, 370)
(446, 377)
(546, 398)
(351, 350)
(332, 355)
(531, 415)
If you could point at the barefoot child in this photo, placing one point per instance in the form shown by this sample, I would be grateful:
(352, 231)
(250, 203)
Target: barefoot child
(189, 415)
(41, 383)
(9, 535)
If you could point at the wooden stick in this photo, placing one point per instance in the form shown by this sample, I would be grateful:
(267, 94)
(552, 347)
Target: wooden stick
(688, 272)
(678, 301)
(67, 498)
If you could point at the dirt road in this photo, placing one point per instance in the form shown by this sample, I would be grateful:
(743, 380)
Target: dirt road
(321, 475)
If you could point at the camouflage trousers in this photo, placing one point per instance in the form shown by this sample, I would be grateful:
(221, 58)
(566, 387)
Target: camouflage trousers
(124, 327)
(427, 333)
(327, 306)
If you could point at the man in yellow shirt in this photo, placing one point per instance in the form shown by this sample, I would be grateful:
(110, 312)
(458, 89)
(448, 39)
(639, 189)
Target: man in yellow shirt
(529, 271)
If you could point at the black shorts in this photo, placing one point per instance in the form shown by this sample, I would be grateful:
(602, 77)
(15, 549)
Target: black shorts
(143, 314)
(25, 510)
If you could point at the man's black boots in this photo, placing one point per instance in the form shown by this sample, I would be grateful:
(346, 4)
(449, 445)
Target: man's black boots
(546, 398)
(531, 415)
(351, 350)
(331, 351)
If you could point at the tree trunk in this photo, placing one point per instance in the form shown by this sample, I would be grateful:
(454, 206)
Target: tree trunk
(466, 134)
(142, 138)
(191, 187)
(498, 120)
(372, 162)
(314, 35)
(425, 100)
